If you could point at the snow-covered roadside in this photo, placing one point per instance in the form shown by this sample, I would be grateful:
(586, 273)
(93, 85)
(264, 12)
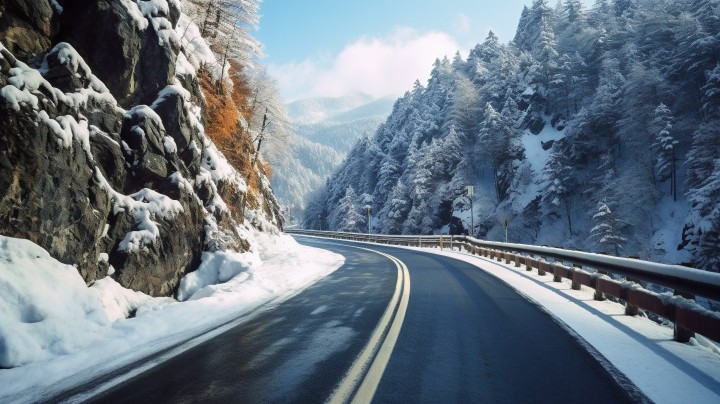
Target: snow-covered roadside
(67, 333)
(664, 370)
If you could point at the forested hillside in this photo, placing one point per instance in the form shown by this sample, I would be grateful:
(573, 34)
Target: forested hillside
(595, 129)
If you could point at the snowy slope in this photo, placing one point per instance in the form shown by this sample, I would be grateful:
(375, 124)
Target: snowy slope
(67, 333)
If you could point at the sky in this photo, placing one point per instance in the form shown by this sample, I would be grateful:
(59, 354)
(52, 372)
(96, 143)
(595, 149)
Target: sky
(329, 48)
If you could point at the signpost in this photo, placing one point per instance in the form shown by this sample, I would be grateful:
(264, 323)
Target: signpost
(506, 229)
(369, 210)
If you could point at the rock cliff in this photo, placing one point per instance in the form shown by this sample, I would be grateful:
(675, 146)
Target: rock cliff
(104, 160)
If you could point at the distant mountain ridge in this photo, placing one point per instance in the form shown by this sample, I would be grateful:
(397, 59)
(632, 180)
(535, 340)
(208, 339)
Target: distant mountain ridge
(317, 109)
(326, 128)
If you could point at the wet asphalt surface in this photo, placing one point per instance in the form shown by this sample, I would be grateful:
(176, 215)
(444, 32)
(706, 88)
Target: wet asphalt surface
(467, 337)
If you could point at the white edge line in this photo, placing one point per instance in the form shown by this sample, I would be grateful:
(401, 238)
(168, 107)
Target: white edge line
(185, 346)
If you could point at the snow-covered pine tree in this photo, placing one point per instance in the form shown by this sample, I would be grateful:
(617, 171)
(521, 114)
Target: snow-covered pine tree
(607, 232)
(396, 211)
(348, 216)
(705, 145)
(547, 50)
(665, 143)
(560, 182)
(705, 220)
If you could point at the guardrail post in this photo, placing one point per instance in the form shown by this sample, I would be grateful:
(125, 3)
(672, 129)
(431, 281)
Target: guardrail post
(518, 259)
(576, 285)
(558, 270)
(599, 295)
(528, 263)
(507, 257)
(541, 266)
(630, 309)
(680, 333)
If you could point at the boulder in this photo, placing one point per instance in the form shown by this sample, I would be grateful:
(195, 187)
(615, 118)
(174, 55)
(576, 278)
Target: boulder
(26, 27)
(47, 192)
(111, 42)
(122, 47)
(170, 108)
(156, 269)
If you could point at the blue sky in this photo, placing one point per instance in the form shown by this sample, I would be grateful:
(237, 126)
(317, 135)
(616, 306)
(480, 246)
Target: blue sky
(333, 47)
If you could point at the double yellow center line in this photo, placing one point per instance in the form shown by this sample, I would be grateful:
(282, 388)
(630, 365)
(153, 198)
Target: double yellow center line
(361, 381)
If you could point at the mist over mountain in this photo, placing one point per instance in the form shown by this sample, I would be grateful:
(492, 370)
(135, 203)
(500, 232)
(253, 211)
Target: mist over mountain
(326, 129)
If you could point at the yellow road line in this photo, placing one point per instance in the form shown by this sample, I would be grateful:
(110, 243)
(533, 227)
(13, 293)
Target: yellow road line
(369, 366)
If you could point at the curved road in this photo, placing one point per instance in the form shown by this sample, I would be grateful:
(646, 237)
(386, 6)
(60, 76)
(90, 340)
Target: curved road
(466, 337)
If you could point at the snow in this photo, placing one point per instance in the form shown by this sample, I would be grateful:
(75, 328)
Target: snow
(143, 205)
(169, 144)
(47, 309)
(75, 130)
(68, 56)
(135, 14)
(537, 157)
(64, 333)
(118, 302)
(14, 96)
(183, 66)
(197, 51)
(144, 112)
(216, 267)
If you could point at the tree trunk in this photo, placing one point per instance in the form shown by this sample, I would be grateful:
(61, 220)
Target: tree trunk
(569, 218)
(673, 178)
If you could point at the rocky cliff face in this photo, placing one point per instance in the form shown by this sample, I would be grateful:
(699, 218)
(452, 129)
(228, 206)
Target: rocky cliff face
(104, 161)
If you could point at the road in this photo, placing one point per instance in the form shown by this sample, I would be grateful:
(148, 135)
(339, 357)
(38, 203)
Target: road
(464, 337)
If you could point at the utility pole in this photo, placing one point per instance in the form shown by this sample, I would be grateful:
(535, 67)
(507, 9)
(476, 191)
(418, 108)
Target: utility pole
(470, 194)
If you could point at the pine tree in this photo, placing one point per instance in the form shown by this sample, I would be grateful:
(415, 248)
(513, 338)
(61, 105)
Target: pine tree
(560, 185)
(348, 216)
(608, 228)
(705, 145)
(547, 51)
(396, 211)
(664, 145)
(574, 11)
(703, 221)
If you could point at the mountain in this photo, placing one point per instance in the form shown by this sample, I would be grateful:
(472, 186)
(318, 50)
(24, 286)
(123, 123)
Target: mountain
(326, 129)
(594, 129)
(316, 109)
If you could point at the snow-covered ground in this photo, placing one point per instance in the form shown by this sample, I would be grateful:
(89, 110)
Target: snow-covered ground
(642, 350)
(55, 332)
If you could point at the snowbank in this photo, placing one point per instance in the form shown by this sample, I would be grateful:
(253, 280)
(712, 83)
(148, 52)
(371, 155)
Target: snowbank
(64, 333)
(46, 308)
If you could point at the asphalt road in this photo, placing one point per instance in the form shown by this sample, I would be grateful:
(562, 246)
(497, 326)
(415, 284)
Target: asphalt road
(466, 337)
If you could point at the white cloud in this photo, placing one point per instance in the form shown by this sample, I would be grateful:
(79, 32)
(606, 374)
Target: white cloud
(464, 24)
(378, 66)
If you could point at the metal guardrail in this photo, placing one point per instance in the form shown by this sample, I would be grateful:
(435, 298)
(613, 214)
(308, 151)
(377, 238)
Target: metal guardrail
(591, 270)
